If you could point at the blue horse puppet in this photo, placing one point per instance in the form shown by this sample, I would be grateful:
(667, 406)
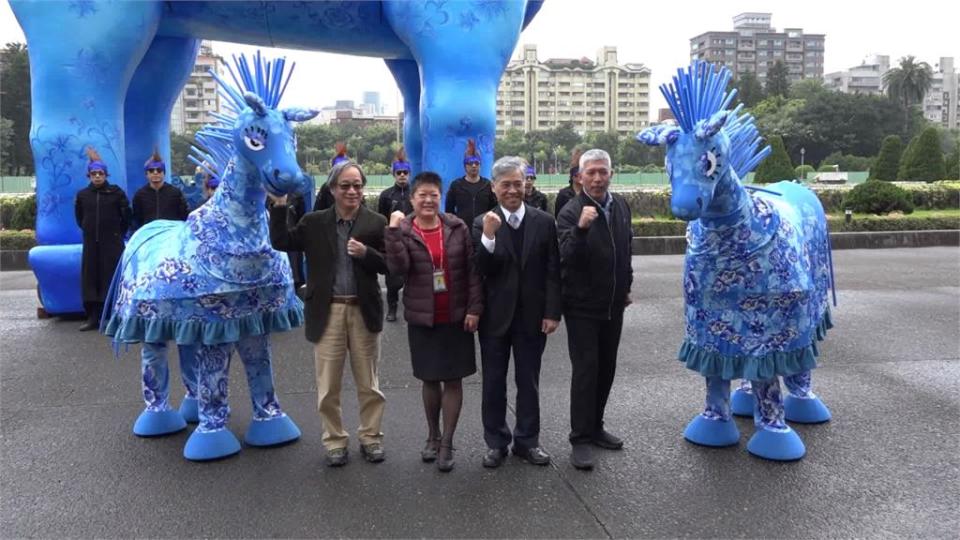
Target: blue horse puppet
(213, 283)
(756, 273)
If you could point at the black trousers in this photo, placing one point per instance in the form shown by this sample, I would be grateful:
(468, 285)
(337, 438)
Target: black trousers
(394, 284)
(495, 359)
(593, 345)
(94, 311)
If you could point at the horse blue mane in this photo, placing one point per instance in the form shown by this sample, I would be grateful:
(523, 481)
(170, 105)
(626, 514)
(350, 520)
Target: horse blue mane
(265, 79)
(698, 93)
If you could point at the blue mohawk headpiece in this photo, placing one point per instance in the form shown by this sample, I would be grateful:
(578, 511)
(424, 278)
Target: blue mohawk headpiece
(697, 93)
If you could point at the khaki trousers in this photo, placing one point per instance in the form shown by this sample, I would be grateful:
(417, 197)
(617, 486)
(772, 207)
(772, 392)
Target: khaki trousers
(346, 333)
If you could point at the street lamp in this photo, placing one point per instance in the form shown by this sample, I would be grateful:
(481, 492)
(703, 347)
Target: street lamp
(803, 173)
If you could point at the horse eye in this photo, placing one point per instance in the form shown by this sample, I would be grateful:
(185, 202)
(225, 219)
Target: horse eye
(252, 143)
(709, 161)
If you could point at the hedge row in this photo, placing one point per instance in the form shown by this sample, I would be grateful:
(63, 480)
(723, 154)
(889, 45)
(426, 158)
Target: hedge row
(837, 224)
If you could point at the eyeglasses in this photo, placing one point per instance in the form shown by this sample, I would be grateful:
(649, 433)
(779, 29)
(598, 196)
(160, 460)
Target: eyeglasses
(154, 170)
(348, 187)
(97, 173)
(405, 173)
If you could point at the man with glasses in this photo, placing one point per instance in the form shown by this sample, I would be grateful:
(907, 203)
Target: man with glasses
(392, 199)
(157, 199)
(103, 215)
(595, 249)
(344, 310)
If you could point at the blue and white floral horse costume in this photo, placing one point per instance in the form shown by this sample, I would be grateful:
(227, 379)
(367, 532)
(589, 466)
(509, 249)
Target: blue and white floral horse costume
(757, 268)
(214, 283)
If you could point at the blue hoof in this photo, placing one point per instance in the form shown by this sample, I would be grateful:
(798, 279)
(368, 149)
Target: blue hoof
(776, 445)
(208, 445)
(278, 430)
(742, 403)
(189, 410)
(805, 410)
(707, 432)
(157, 423)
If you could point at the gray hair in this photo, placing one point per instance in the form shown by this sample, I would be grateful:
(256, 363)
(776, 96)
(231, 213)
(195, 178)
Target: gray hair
(595, 154)
(338, 170)
(508, 164)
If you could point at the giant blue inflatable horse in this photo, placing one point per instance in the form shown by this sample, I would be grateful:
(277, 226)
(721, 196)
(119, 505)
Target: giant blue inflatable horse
(213, 283)
(107, 73)
(757, 268)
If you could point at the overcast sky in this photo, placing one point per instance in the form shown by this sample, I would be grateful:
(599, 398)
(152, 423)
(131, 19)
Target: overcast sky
(653, 33)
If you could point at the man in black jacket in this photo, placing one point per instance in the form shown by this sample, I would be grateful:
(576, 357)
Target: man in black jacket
(531, 195)
(157, 199)
(595, 250)
(103, 215)
(391, 200)
(470, 195)
(344, 310)
(520, 266)
(570, 192)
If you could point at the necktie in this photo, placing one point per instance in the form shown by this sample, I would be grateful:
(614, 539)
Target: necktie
(513, 221)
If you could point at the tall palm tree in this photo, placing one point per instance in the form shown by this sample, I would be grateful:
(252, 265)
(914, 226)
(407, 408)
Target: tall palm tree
(908, 83)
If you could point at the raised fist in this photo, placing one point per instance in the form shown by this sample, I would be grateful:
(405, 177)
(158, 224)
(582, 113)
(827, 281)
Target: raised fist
(396, 218)
(587, 215)
(491, 224)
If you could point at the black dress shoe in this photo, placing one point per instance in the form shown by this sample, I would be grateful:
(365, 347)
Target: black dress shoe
(445, 460)
(535, 455)
(392, 313)
(88, 326)
(607, 440)
(582, 457)
(494, 457)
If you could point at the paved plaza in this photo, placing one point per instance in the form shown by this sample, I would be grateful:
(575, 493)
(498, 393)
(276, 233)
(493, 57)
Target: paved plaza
(888, 465)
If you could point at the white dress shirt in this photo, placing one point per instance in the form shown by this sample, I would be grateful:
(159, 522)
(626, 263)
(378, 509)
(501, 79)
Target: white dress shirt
(491, 243)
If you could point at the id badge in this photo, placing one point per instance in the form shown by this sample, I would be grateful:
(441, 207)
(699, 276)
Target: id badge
(439, 281)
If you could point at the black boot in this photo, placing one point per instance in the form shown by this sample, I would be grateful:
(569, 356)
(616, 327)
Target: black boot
(89, 325)
(391, 313)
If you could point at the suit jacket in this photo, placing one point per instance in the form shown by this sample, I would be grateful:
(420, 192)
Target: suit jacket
(316, 236)
(530, 280)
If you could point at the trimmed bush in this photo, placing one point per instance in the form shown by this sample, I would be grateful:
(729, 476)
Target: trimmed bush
(777, 166)
(952, 163)
(17, 240)
(845, 162)
(18, 212)
(804, 172)
(924, 161)
(888, 161)
(893, 223)
(876, 197)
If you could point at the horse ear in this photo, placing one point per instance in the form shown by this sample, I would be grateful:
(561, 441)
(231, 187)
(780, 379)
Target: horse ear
(712, 126)
(659, 135)
(255, 103)
(296, 114)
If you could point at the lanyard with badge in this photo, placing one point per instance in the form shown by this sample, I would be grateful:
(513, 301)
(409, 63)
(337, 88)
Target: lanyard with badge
(439, 277)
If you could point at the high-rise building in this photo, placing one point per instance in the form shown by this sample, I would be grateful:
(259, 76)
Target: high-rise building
(600, 95)
(940, 105)
(371, 104)
(867, 78)
(199, 97)
(754, 46)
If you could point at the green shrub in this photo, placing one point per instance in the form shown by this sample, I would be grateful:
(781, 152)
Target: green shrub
(845, 162)
(876, 197)
(952, 163)
(18, 212)
(804, 172)
(777, 166)
(893, 223)
(17, 240)
(888, 162)
(923, 162)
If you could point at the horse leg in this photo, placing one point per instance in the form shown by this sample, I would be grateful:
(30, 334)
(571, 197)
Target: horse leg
(189, 407)
(407, 75)
(269, 425)
(801, 404)
(78, 87)
(153, 91)
(462, 49)
(773, 439)
(714, 426)
(742, 402)
(212, 439)
(158, 418)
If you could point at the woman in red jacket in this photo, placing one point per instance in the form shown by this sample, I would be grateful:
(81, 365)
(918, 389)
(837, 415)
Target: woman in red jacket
(442, 304)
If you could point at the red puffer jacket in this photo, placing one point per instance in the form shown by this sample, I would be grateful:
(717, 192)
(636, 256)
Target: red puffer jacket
(407, 256)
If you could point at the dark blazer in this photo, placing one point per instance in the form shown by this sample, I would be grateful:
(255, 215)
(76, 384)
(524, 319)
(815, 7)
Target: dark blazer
(316, 236)
(596, 270)
(528, 280)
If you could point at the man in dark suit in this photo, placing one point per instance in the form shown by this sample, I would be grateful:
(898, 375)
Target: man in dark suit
(520, 267)
(344, 310)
